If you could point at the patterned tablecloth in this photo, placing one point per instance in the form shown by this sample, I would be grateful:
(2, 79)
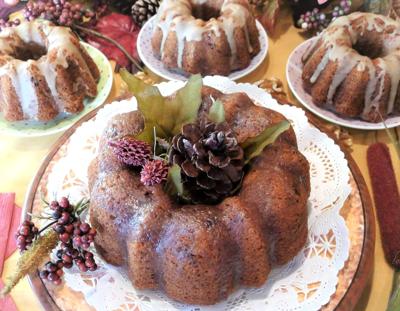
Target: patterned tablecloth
(20, 158)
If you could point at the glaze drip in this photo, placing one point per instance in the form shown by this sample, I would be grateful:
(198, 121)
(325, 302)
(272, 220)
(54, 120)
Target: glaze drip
(337, 43)
(175, 16)
(57, 42)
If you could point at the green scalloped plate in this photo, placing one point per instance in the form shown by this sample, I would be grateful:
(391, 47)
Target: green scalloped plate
(63, 121)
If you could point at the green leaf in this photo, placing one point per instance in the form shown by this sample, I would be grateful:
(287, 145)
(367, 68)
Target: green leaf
(217, 112)
(150, 103)
(186, 104)
(31, 259)
(394, 301)
(165, 115)
(174, 184)
(254, 146)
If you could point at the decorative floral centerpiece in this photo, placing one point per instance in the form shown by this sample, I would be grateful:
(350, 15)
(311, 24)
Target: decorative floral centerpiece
(197, 157)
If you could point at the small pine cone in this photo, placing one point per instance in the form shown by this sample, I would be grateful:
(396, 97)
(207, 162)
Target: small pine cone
(143, 10)
(154, 172)
(131, 151)
(211, 161)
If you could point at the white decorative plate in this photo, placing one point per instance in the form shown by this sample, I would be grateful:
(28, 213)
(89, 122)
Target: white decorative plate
(154, 64)
(294, 69)
(306, 283)
(63, 121)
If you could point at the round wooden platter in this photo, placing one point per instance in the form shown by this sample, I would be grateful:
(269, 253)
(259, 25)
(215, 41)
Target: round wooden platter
(357, 212)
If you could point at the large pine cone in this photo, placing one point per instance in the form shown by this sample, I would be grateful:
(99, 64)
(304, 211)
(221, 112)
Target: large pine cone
(143, 10)
(211, 161)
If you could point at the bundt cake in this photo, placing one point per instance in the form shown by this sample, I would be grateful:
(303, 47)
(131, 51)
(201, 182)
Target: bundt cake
(353, 67)
(43, 71)
(199, 253)
(205, 36)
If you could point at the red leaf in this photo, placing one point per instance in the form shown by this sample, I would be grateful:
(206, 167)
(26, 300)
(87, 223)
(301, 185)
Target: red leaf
(270, 15)
(120, 28)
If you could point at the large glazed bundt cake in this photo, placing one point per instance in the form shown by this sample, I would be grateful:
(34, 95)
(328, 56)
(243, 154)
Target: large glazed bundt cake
(353, 68)
(199, 253)
(205, 36)
(43, 71)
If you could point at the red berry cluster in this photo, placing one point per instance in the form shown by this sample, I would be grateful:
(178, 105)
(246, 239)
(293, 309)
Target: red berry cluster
(83, 235)
(84, 260)
(60, 12)
(25, 235)
(69, 227)
(75, 236)
(53, 272)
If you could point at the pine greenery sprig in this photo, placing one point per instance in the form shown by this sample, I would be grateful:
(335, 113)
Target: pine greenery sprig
(31, 259)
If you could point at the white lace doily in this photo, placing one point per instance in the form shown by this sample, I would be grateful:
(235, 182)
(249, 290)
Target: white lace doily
(305, 283)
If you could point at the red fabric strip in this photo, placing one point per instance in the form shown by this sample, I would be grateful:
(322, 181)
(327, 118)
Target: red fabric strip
(6, 213)
(387, 200)
(7, 303)
(11, 243)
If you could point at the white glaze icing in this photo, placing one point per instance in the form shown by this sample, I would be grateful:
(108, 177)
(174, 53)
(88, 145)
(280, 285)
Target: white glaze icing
(176, 16)
(338, 40)
(24, 88)
(57, 41)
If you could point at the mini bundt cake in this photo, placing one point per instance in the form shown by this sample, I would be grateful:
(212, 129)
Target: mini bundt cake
(43, 71)
(199, 253)
(353, 68)
(205, 36)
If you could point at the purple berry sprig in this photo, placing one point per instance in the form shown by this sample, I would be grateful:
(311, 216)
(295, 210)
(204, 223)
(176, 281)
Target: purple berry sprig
(25, 235)
(316, 21)
(53, 272)
(60, 12)
(74, 238)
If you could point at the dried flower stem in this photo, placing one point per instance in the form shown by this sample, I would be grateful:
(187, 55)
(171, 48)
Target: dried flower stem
(47, 226)
(112, 41)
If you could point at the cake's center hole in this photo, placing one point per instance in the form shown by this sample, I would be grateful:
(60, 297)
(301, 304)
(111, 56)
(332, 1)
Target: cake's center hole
(367, 47)
(29, 51)
(205, 12)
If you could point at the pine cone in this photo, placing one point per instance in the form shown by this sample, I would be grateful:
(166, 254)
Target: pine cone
(211, 161)
(131, 151)
(154, 172)
(143, 10)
